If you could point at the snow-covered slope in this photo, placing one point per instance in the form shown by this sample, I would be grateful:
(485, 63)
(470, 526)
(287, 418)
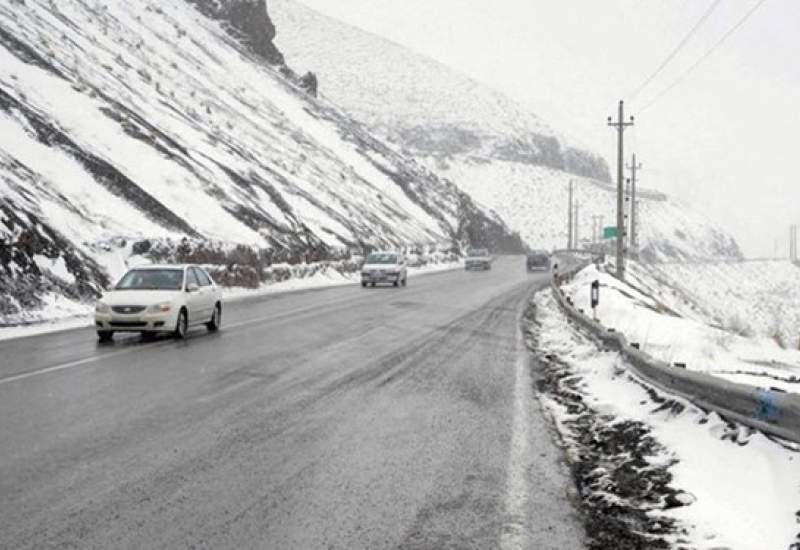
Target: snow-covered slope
(508, 159)
(124, 121)
(736, 321)
(753, 298)
(417, 102)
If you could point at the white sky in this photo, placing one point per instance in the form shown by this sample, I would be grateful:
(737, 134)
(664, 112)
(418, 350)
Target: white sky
(728, 138)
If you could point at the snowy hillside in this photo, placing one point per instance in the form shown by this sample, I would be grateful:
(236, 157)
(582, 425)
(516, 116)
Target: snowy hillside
(416, 102)
(736, 321)
(505, 157)
(129, 122)
(753, 298)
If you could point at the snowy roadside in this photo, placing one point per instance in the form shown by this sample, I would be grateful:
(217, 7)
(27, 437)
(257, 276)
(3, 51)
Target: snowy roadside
(68, 315)
(654, 471)
(674, 329)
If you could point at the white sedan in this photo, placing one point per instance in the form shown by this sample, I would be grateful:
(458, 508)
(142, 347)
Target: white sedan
(152, 299)
(384, 267)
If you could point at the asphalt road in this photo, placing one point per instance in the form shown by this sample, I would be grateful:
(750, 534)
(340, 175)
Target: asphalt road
(343, 418)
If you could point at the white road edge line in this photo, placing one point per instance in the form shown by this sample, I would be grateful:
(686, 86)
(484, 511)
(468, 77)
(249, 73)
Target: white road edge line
(514, 534)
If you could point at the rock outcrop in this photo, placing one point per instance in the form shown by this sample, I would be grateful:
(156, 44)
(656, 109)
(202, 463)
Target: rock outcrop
(249, 21)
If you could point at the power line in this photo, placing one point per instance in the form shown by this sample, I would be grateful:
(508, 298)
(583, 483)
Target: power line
(708, 53)
(677, 48)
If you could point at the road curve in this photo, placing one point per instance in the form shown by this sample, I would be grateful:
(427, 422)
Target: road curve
(342, 418)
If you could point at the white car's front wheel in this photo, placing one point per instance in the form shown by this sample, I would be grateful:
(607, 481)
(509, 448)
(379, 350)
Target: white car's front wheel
(182, 326)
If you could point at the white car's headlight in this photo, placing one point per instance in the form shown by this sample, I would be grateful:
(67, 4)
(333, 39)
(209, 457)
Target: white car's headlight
(164, 307)
(101, 307)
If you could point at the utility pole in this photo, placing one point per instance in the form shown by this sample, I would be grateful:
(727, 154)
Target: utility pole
(569, 217)
(575, 233)
(634, 244)
(620, 125)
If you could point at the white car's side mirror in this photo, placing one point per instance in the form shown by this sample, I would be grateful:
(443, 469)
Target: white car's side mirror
(192, 287)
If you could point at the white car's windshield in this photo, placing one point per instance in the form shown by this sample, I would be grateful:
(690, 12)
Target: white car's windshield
(151, 279)
(382, 259)
(478, 253)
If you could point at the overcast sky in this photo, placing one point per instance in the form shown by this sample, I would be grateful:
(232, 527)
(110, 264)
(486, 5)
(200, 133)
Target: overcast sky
(727, 138)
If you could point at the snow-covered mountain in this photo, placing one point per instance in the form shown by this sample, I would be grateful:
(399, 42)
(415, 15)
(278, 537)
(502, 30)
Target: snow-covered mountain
(533, 200)
(130, 122)
(506, 158)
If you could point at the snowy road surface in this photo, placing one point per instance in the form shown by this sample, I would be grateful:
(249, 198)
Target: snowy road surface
(341, 418)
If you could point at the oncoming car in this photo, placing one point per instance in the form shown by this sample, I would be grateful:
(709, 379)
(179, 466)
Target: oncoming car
(478, 258)
(384, 267)
(153, 299)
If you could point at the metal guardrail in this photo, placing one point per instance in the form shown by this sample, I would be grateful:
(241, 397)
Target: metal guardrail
(773, 412)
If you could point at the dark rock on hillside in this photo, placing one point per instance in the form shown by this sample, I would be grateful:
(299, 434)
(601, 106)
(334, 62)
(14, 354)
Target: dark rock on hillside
(540, 150)
(249, 21)
(310, 83)
(26, 238)
(534, 149)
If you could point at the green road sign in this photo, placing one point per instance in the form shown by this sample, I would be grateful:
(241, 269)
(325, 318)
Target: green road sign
(610, 232)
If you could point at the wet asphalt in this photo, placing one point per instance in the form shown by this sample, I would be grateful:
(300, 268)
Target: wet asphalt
(344, 418)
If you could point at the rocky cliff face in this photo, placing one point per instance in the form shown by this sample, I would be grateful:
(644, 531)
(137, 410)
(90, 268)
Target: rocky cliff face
(249, 21)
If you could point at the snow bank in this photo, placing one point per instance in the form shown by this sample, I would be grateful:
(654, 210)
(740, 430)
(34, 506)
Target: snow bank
(742, 487)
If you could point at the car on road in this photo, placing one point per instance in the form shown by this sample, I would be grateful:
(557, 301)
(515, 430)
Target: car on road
(538, 260)
(159, 299)
(414, 259)
(478, 258)
(384, 267)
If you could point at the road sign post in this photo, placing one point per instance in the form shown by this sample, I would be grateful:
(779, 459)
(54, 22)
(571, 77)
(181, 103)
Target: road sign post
(595, 298)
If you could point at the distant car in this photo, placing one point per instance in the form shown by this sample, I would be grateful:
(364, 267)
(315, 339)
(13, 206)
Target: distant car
(153, 299)
(538, 261)
(384, 267)
(414, 260)
(478, 258)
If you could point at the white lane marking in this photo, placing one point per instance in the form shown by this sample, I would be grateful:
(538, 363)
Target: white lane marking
(71, 364)
(93, 359)
(514, 534)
